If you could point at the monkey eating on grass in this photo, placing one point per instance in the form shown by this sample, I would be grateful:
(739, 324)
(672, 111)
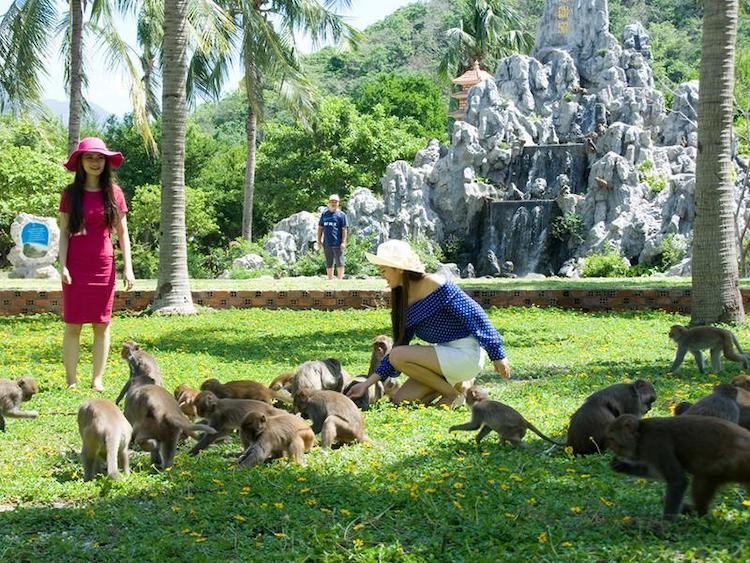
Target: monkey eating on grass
(488, 415)
(699, 338)
(12, 394)
(712, 450)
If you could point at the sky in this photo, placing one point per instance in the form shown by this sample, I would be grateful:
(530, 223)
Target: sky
(109, 89)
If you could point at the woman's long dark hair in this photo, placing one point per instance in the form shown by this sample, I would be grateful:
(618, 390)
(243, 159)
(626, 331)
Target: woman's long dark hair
(75, 197)
(400, 304)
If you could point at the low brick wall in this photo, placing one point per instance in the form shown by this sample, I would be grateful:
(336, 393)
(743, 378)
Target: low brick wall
(17, 302)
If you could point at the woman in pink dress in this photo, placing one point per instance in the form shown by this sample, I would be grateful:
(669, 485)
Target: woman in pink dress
(92, 206)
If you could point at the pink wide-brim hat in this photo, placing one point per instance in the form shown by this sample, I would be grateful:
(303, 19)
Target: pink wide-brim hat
(93, 144)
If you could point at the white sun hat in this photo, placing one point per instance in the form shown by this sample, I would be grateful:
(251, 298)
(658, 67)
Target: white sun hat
(396, 254)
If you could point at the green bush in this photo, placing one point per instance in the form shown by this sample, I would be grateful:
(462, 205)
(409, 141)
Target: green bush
(145, 260)
(429, 252)
(607, 264)
(567, 227)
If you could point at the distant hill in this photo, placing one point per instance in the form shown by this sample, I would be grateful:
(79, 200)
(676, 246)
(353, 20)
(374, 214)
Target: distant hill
(60, 110)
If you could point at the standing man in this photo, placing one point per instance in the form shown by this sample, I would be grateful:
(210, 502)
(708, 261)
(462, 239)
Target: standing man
(332, 234)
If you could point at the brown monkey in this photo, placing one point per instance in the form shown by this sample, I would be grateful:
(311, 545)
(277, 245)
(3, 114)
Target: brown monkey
(699, 338)
(185, 397)
(373, 395)
(241, 389)
(317, 375)
(381, 345)
(742, 381)
(281, 386)
(267, 437)
(724, 402)
(158, 422)
(105, 433)
(333, 415)
(488, 415)
(12, 394)
(225, 415)
(712, 450)
(586, 432)
(141, 364)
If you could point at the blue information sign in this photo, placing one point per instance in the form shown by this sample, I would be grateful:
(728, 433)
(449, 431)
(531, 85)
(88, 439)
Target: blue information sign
(35, 233)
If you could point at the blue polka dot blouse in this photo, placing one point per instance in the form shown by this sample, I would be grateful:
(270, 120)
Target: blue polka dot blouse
(445, 315)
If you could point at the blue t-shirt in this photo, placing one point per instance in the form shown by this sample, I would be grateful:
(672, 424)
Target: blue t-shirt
(333, 222)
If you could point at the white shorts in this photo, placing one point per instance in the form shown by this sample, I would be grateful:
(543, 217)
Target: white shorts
(460, 359)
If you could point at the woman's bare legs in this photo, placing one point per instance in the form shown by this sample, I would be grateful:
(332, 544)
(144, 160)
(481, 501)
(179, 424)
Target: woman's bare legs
(420, 364)
(100, 351)
(71, 351)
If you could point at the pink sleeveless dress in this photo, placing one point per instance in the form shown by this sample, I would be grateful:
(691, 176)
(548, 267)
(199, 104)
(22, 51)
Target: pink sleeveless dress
(91, 262)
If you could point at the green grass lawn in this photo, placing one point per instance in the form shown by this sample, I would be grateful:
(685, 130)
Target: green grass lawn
(417, 494)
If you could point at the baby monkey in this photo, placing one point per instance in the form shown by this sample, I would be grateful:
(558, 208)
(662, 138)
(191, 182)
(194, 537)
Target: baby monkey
(12, 394)
(699, 338)
(488, 415)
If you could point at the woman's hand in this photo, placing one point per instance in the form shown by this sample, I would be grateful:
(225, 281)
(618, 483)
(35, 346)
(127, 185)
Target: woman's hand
(356, 391)
(503, 368)
(65, 275)
(128, 279)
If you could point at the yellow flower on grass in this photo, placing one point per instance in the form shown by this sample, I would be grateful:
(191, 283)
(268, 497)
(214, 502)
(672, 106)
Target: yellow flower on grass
(200, 540)
(516, 478)
(585, 476)
(457, 504)
(325, 510)
(358, 542)
(240, 518)
(176, 508)
(359, 526)
(746, 503)
(217, 482)
(566, 544)
(532, 501)
(576, 509)
(568, 451)
(345, 512)
(626, 519)
(458, 485)
(279, 505)
(279, 534)
(311, 502)
(505, 486)
(305, 490)
(606, 502)
(543, 537)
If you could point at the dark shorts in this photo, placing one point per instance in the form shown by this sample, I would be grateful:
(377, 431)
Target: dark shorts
(333, 256)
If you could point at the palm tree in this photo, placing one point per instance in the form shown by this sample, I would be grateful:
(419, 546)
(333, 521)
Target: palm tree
(716, 294)
(173, 288)
(270, 59)
(488, 29)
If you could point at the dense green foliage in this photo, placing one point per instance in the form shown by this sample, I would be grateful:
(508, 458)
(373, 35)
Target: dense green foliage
(417, 494)
(31, 173)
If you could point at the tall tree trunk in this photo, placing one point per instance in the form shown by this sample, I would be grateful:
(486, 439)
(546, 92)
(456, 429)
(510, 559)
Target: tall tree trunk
(173, 289)
(247, 202)
(76, 74)
(716, 294)
(251, 130)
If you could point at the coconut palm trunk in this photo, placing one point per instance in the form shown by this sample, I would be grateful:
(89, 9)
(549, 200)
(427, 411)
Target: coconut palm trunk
(76, 74)
(173, 288)
(247, 204)
(716, 294)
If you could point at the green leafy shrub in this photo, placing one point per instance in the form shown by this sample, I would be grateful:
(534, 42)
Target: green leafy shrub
(673, 249)
(429, 252)
(607, 264)
(568, 226)
(145, 260)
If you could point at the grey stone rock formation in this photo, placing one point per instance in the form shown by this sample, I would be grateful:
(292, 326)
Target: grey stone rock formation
(282, 246)
(303, 227)
(576, 130)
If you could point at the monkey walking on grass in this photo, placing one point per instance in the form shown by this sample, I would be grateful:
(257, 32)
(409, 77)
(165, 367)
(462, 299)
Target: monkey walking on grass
(12, 394)
(488, 415)
(712, 338)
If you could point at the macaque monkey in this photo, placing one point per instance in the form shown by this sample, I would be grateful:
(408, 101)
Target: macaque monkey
(141, 364)
(725, 402)
(281, 386)
(381, 345)
(12, 394)
(268, 437)
(158, 423)
(333, 415)
(105, 433)
(712, 450)
(373, 394)
(488, 415)
(742, 381)
(241, 389)
(317, 375)
(185, 397)
(225, 415)
(699, 338)
(588, 425)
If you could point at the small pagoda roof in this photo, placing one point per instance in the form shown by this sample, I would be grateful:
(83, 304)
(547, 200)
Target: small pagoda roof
(472, 76)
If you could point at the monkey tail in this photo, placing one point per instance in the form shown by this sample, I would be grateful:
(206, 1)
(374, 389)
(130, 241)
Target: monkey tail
(539, 433)
(188, 427)
(737, 344)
